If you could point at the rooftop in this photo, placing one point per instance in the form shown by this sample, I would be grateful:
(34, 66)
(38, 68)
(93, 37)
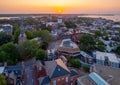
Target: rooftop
(84, 54)
(15, 69)
(44, 80)
(92, 79)
(101, 56)
(111, 75)
(67, 45)
(56, 68)
(97, 79)
(1, 69)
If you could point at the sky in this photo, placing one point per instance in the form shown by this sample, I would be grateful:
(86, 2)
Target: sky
(60, 6)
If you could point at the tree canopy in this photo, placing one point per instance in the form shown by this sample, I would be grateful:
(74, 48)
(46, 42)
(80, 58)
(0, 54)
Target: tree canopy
(28, 49)
(16, 35)
(8, 52)
(75, 63)
(2, 80)
(97, 33)
(87, 42)
(5, 38)
(45, 35)
(70, 24)
(40, 54)
(29, 34)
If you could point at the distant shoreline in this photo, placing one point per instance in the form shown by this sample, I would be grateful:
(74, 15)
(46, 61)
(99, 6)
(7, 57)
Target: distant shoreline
(18, 15)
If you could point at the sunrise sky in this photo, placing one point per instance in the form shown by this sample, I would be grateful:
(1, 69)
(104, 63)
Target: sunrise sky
(60, 6)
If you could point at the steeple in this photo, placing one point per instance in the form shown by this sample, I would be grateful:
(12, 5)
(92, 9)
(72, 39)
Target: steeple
(22, 36)
(22, 29)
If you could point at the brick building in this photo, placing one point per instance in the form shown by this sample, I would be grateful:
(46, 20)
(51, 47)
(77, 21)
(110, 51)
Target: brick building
(54, 73)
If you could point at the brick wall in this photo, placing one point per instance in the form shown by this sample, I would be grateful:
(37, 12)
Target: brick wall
(61, 80)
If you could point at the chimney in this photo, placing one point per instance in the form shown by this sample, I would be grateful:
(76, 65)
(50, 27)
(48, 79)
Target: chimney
(5, 64)
(23, 66)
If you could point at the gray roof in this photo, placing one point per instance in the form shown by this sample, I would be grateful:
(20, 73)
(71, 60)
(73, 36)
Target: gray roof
(44, 80)
(56, 68)
(16, 69)
(73, 73)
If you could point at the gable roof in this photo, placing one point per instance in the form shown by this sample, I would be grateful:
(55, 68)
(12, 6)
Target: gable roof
(45, 80)
(59, 71)
(56, 68)
(16, 69)
(60, 63)
(73, 73)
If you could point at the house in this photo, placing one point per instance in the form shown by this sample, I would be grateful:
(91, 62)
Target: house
(68, 48)
(14, 74)
(106, 59)
(2, 70)
(7, 28)
(92, 79)
(55, 72)
(110, 45)
(86, 58)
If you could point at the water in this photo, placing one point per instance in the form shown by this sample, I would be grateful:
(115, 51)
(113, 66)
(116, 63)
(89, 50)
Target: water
(109, 17)
(1, 18)
(115, 18)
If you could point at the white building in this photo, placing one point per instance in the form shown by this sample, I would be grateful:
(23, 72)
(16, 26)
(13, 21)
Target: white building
(106, 59)
(59, 20)
(68, 47)
(7, 28)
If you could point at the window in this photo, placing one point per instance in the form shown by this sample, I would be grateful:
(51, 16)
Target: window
(58, 79)
(66, 79)
(54, 82)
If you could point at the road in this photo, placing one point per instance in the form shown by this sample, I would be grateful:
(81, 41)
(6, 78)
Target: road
(29, 72)
(30, 77)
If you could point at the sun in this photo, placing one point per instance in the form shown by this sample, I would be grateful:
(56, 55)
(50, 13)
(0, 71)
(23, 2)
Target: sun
(59, 10)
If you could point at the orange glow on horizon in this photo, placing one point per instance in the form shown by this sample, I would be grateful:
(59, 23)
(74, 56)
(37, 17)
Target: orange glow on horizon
(59, 6)
(59, 10)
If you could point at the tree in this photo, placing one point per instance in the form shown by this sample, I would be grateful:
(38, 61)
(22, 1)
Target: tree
(29, 34)
(36, 34)
(46, 36)
(104, 33)
(28, 49)
(8, 51)
(70, 24)
(97, 33)
(5, 38)
(101, 46)
(16, 35)
(118, 50)
(30, 21)
(40, 54)
(87, 42)
(106, 38)
(2, 80)
(100, 42)
(75, 63)
(44, 45)
(86, 68)
(119, 31)
(3, 56)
